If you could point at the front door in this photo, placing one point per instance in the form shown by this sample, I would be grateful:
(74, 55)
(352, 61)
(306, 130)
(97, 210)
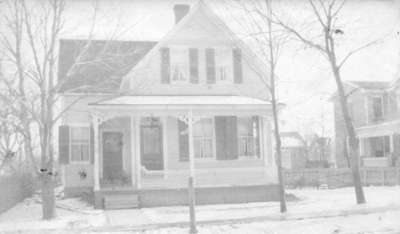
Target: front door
(112, 155)
(151, 146)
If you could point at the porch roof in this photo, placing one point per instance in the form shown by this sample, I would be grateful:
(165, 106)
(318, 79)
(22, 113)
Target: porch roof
(217, 104)
(382, 129)
(182, 101)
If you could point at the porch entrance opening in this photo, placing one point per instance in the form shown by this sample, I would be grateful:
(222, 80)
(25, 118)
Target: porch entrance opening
(151, 144)
(112, 156)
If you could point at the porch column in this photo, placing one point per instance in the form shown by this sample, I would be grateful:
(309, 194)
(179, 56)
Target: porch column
(164, 120)
(192, 199)
(96, 163)
(137, 153)
(133, 150)
(362, 147)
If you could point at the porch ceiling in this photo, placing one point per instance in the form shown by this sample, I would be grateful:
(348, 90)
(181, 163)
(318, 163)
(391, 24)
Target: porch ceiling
(387, 128)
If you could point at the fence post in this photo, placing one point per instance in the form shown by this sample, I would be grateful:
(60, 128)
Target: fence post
(383, 176)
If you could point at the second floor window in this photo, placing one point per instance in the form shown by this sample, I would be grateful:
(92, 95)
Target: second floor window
(223, 64)
(179, 65)
(377, 107)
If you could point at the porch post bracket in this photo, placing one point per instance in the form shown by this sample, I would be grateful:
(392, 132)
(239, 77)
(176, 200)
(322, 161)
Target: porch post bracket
(185, 118)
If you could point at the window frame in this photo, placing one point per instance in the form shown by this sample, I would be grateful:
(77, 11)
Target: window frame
(256, 140)
(213, 140)
(374, 118)
(219, 51)
(185, 62)
(87, 126)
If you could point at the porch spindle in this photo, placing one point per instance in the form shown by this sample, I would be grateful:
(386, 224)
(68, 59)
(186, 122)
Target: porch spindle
(191, 191)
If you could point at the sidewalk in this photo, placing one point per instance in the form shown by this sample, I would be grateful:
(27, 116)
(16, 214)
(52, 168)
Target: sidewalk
(313, 204)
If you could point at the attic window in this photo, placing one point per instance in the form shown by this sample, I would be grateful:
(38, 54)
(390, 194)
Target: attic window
(179, 65)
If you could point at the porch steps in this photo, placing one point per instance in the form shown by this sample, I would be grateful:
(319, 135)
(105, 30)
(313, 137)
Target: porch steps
(121, 201)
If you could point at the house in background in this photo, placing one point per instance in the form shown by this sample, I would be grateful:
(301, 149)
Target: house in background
(319, 152)
(374, 109)
(126, 136)
(294, 153)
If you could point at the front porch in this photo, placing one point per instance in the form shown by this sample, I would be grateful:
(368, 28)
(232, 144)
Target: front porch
(379, 144)
(143, 147)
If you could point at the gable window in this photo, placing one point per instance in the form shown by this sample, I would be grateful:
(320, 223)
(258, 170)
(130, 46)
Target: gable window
(377, 107)
(203, 138)
(223, 60)
(248, 135)
(80, 144)
(179, 65)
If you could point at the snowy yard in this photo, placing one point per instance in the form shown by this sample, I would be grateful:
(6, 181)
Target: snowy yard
(316, 211)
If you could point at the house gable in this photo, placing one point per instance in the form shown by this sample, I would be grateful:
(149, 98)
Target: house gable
(201, 29)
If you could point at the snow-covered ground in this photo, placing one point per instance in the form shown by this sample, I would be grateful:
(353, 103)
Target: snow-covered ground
(317, 211)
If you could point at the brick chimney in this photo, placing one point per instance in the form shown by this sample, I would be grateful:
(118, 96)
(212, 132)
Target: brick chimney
(180, 10)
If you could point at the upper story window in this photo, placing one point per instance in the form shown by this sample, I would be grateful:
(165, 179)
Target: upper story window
(80, 144)
(377, 107)
(179, 64)
(223, 62)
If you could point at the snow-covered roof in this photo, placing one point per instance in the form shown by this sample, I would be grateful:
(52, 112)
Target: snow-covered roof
(182, 101)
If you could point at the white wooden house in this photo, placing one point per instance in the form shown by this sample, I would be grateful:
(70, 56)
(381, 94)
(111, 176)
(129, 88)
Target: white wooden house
(127, 132)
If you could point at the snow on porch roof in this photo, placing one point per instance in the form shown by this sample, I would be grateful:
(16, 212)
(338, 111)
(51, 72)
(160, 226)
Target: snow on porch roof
(181, 101)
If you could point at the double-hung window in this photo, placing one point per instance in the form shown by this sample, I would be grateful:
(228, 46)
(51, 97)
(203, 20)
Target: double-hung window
(223, 60)
(80, 144)
(377, 107)
(203, 132)
(248, 135)
(179, 65)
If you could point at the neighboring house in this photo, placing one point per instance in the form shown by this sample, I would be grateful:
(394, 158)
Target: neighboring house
(319, 152)
(127, 132)
(293, 150)
(374, 109)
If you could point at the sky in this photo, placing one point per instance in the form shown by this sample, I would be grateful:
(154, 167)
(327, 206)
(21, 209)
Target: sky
(305, 81)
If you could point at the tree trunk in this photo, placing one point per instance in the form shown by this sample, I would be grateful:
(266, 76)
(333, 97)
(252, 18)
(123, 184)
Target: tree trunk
(353, 143)
(48, 197)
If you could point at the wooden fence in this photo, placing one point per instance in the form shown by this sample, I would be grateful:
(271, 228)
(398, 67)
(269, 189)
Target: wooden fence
(13, 189)
(341, 177)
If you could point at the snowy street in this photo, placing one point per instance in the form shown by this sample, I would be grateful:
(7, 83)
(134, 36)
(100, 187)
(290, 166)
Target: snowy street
(314, 211)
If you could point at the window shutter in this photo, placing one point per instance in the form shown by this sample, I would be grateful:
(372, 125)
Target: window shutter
(237, 66)
(210, 64)
(165, 65)
(220, 137)
(194, 65)
(63, 144)
(183, 141)
(231, 141)
(226, 137)
(92, 149)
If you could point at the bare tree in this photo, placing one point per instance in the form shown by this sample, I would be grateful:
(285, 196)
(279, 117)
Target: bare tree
(268, 41)
(326, 13)
(31, 93)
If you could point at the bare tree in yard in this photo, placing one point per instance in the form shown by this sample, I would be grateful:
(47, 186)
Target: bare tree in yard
(326, 13)
(31, 42)
(268, 42)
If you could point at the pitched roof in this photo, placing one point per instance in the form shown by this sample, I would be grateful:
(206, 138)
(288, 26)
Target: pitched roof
(371, 85)
(97, 65)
